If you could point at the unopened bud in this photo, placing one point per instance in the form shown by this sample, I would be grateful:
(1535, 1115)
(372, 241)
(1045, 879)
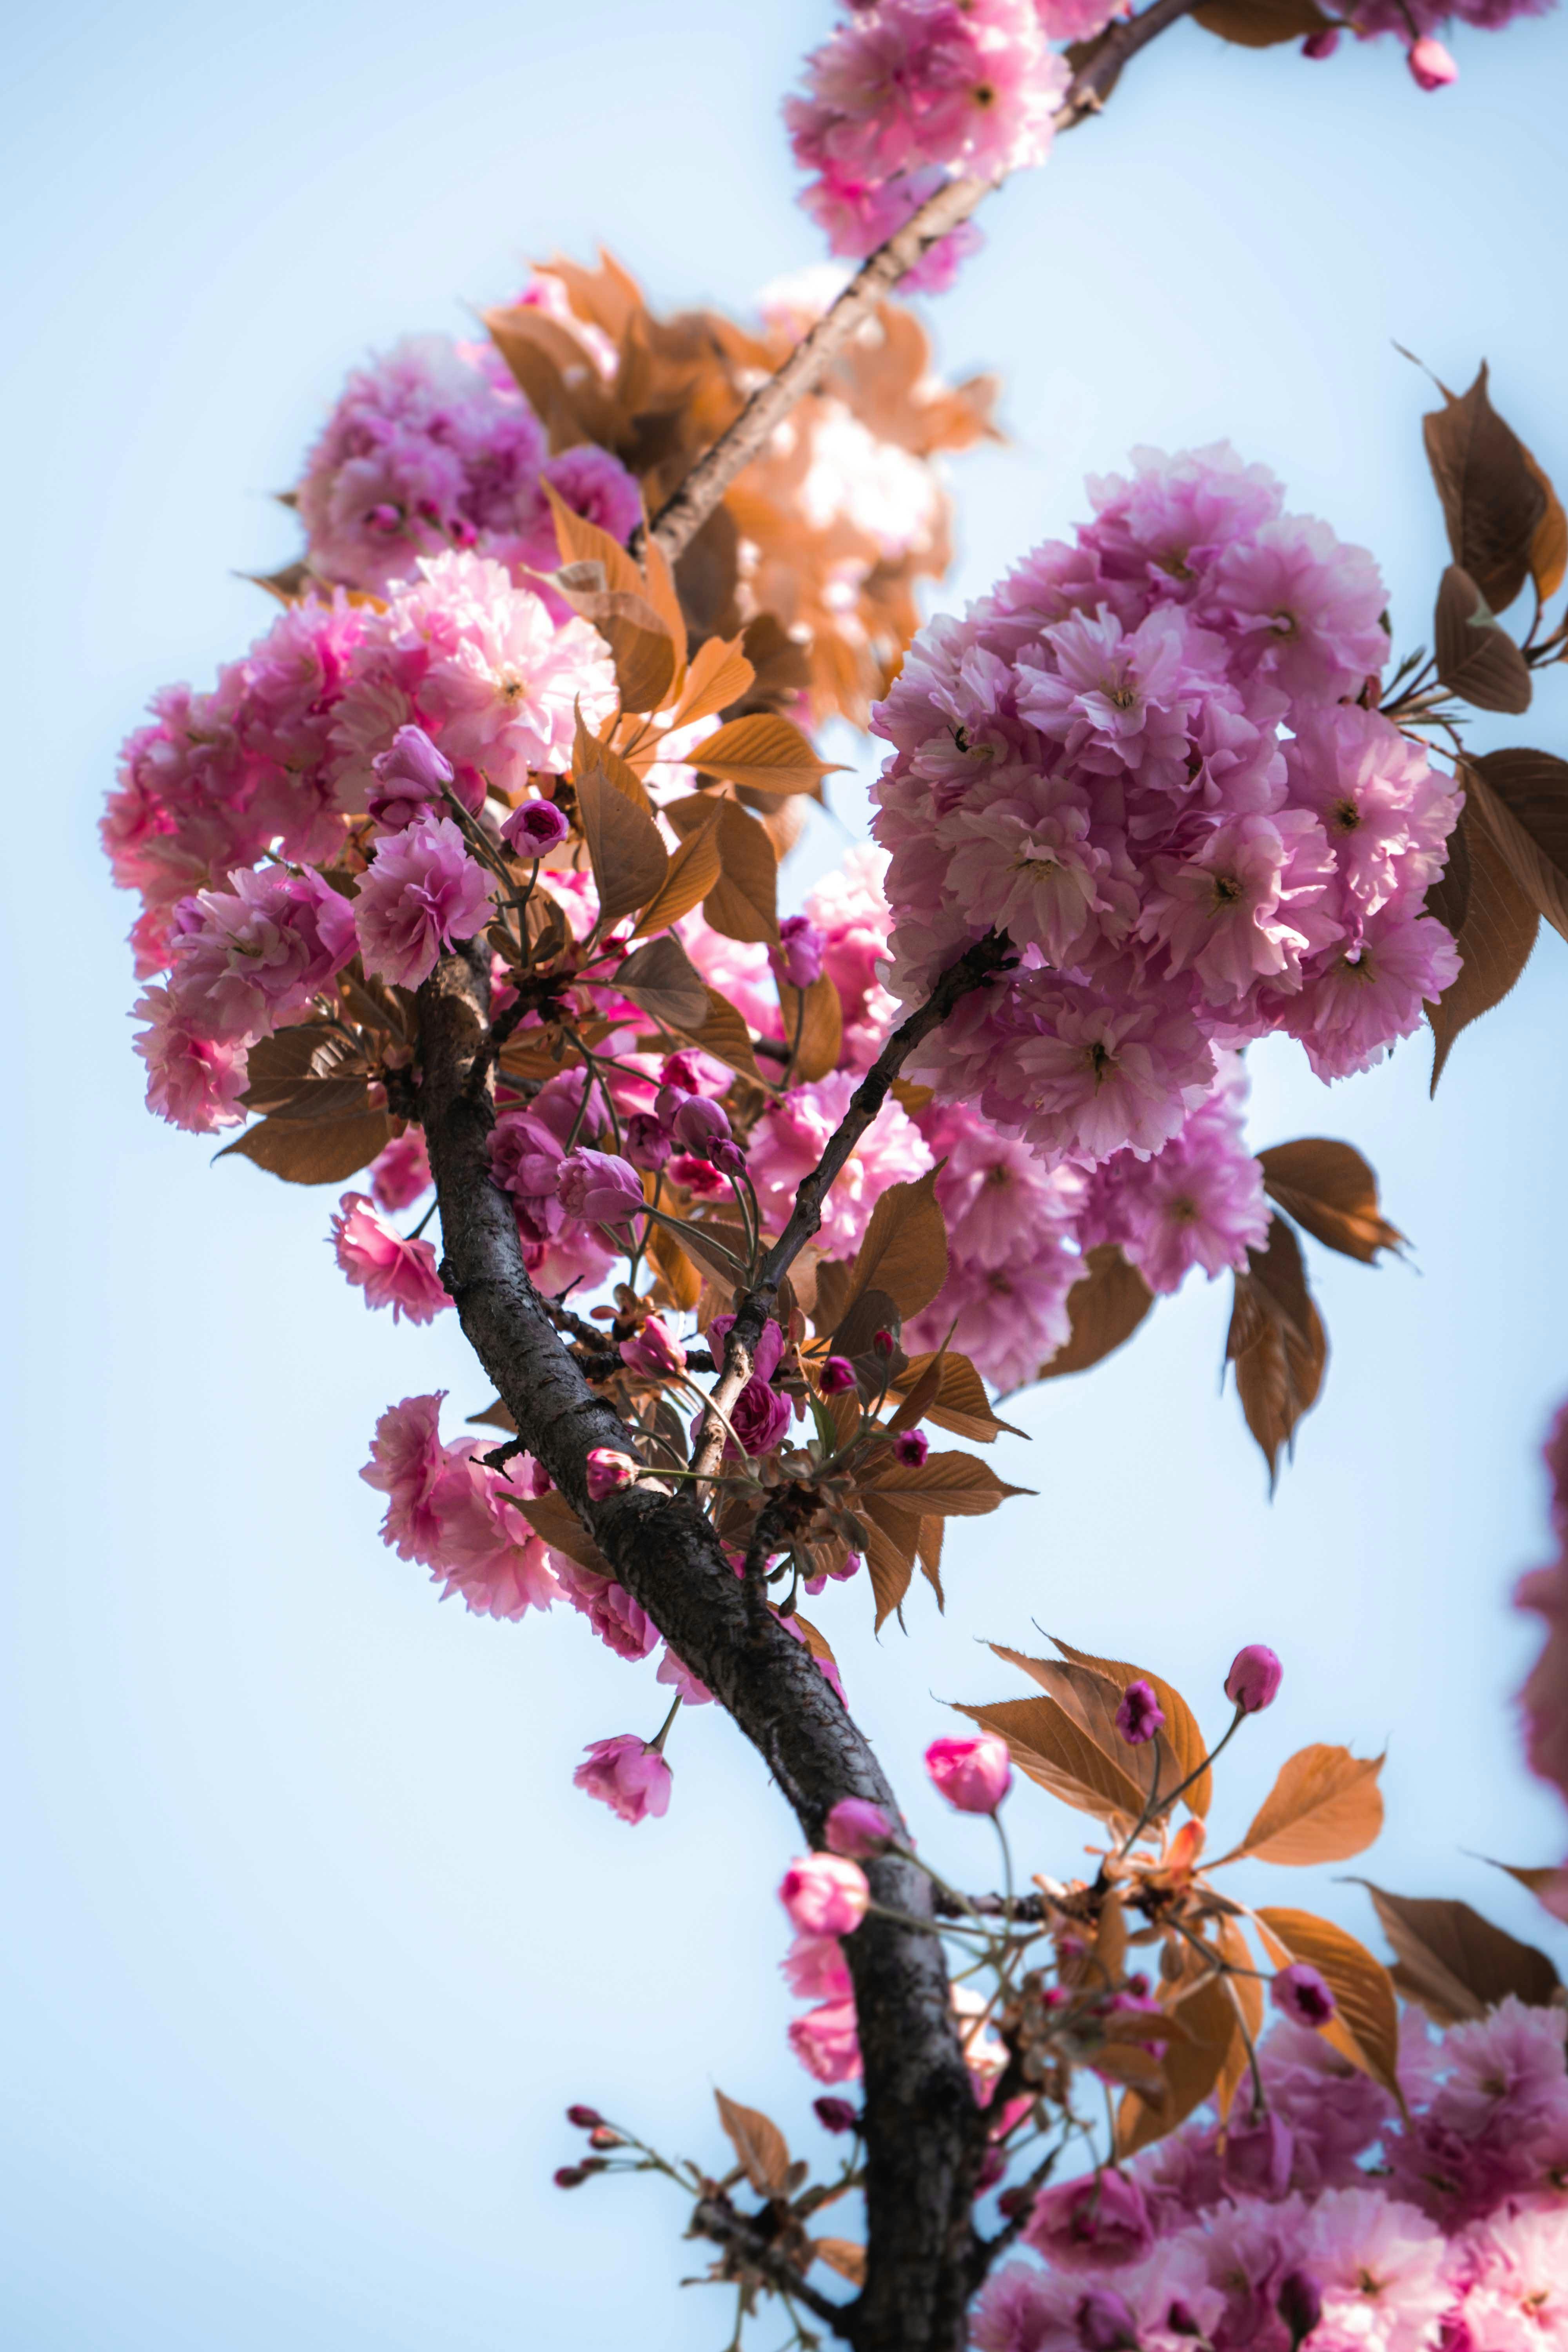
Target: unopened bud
(585, 2118)
(1300, 2304)
(535, 827)
(1322, 45)
(1254, 1680)
(1300, 1993)
(1013, 2201)
(837, 1375)
(883, 1342)
(1430, 65)
(1139, 1715)
(605, 2136)
(836, 2115)
(571, 2176)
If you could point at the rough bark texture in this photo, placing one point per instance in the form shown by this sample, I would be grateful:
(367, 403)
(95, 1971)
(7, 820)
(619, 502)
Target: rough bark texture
(924, 2133)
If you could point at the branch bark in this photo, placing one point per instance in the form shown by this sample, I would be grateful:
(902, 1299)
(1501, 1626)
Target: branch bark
(682, 516)
(925, 2134)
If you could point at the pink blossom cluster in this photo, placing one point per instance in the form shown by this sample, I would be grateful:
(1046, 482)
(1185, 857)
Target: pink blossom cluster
(432, 449)
(1416, 24)
(1545, 1698)
(908, 93)
(1144, 759)
(1326, 2219)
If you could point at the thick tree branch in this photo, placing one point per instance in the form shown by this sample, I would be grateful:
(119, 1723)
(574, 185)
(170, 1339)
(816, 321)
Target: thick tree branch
(923, 2131)
(681, 517)
(739, 2234)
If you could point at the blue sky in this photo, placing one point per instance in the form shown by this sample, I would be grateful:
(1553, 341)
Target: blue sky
(309, 1939)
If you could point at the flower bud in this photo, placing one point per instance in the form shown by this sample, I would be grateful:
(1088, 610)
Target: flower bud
(1430, 65)
(728, 1157)
(1015, 2201)
(797, 959)
(667, 1101)
(1104, 2323)
(585, 2118)
(410, 772)
(1323, 44)
(1300, 2304)
(680, 1071)
(598, 1186)
(856, 1827)
(608, 1470)
(974, 1775)
(836, 2115)
(605, 2136)
(647, 1144)
(1139, 1715)
(824, 1895)
(1300, 1993)
(571, 2176)
(698, 1124)
(910, 1447)
(883, 1342)
(1254, 1680)
(655, 1352)
(534, 827)
(836, 1376)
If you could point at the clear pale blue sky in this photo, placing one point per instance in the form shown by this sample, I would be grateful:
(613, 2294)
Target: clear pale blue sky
(309, 1939)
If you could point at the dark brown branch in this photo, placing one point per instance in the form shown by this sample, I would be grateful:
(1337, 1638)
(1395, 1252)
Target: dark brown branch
(924, 2133)
(682, 516)
(739, 2234)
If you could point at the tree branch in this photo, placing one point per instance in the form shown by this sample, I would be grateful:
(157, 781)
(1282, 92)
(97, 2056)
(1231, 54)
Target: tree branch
(739, 2233)
(681, 517)
(924, 2133)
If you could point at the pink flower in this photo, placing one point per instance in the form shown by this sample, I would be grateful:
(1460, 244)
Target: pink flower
(594, 484)
(859, 214)
(1378, 2265)
(193, 1082)
(628, 1775)
(654, 1351)
(1515, 2271)
(400, 1172)
(598, 1186)
(608, 1471)
(857, 1827)
(824, 1895)
(910, 1447)
(789, 1139)
(814, 1968)
(761, 1417)
(535, 827)
(391, 1271)
(1200, 1201)
(485, 1550)
(1431, 66)
(1373, 993)
(409, 775)
(246, 961)
(836, 1377)
(422, 893)
(526, 1160)
(406, 1459)
(1140, 1716)
(1301, 1993)
(798, 956)
(827, 2043)
(620, 1622)
(973, 1774)
(1254, 1680)
(1102, 2220)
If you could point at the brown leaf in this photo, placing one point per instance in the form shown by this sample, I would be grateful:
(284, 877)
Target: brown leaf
(314, 1151)
(1053, 1747)
(676, 1271)
(280, 1067)
(760, 2145)
(1090, 1693)
(1524, 800)
(814, 1025)
(1277, 1344)
(1107, 1304)
(1180, 1735)
(743, 902)
(693, 871)
(764, 750)
(640, 645)
(1499, 931)
(929, 1556)
(1549, 546)
(496, 1415)
(904, 1249)
(947, 1486)
(581, 541)
(1538, 1882)
(720, 673)
(1364, 2027)
(628, 858)
(1448, 898)
(708, 1243)
(815, 1642)
(1329, 1188)
(555, 372)
(887, 1564)
(1325, 1806)
(552, 1517)
(726, 1037)
(1260, 24)
(661, 979)
(1189, 2072)
(843, 2255)
(1457, 1964)
(1476, 660)
(1493, 500)
(957, 1401)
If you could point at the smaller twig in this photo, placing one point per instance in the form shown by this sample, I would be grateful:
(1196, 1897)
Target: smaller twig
(716, 2219)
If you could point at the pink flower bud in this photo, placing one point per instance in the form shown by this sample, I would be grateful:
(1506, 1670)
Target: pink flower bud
(667, 1101)
(857, 1827)
(883, 1342)
(837, 1374)
(647, 1144)
(1430, 65)
(1253, 1682)
(605, 2136)
(535, 826)
(728, 1157)
(836, 2115)
(408, 774)
(608, 1471)
(628, 1775)
(654, 1351)
(698, 1124)
(570, 2176)
(598, 1186)
(1300, 2304)
(797, 959)
(824, 1895)
(973, 1774)
(1323, 44)
(385, 518)
(584, 2119)
(910, 1447)
(1139, 1715)
(1300, 1993)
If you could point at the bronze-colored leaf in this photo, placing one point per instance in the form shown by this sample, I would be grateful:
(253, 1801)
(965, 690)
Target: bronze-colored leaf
(314, 1151)
(554, 370)
(552, 1517)
(1524, 800)
(1364, 2027)
(758, 2142)
(1329, 1188)
(1549, 546)
(661, 979)
(1448, 899)
(1052, 1748)
(904, 1249)
(1246, 1995)
(628, 858)
(1107, 1304)
(643, 651)
(946, 1485)
(743, 902)
(680, 1278)
(1477, 660)
(1277, 1344)
(707, 1243)
(1180, 1735)
(843, 2255)
(280, 1067)
(720, 673)
(1191, 2068)
(1325, 1806)
(930, 1556)
(957, 1400)
(581, 541)
(1492, 500)
(764, 750)
(726, 1037)
(888, 1565)
(496, 1415)
(1499, 932)
(1454, 1962)
(1549, 1885)
(1260, 24)
(814, 1027)
(693, 871)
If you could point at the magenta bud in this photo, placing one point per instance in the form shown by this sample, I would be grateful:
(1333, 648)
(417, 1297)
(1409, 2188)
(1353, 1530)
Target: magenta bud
(883, 1342)
(534, 827)
(585, 2118)
(605, 2136)
(1300, 2304)
(1300, 1993)
(608, 1470)
(797, 959)
(1430, 65)
(409, 773)
(667, 1101)
(699, 1124)
(1015, 2201)
(599, 1186)
(680, 1071)
(1254, 1680)
(1139, 1715)
(728, 1157)
(571, 2176)
(836, 2115)
(647, 1144)
(858, 1828)
(1180, 2321)
(1322, 45)
(910, 1447)
(385, 518)
(837, 1375)
(973, 1774)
